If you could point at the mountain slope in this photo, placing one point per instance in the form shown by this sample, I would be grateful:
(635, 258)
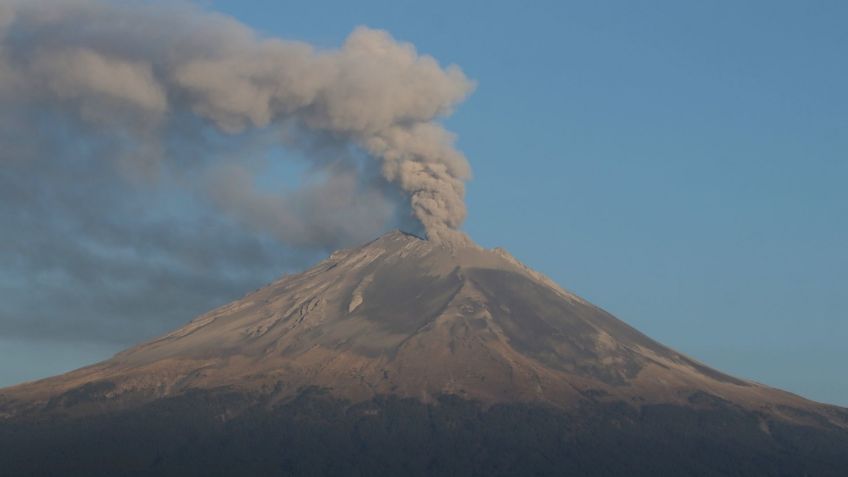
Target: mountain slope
(402, 323)
(404, 316)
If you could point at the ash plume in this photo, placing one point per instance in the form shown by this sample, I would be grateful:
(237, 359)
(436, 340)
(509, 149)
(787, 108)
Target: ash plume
(162, 150)
(137, 68)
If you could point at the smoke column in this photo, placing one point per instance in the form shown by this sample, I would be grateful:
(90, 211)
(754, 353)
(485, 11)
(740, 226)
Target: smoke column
(137, 75)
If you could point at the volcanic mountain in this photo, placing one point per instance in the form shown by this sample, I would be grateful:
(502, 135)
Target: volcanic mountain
(410, 357)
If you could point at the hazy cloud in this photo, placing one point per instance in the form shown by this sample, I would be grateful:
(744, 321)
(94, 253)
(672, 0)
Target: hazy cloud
(158, 159)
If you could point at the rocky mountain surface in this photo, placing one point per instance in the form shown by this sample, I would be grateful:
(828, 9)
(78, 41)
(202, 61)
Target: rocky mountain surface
(405, 356)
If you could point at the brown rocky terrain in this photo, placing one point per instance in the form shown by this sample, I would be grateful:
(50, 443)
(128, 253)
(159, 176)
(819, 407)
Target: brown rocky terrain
(401, 330)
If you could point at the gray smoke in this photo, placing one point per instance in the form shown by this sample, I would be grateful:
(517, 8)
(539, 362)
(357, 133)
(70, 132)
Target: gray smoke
(158, 159)
(140, 71)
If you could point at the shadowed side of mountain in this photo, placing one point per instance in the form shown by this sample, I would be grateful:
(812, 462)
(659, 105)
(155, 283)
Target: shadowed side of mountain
(229, 433)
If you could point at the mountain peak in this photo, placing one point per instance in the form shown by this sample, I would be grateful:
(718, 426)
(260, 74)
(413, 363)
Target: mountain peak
(434, 335)
(447, 239)
(406, 316)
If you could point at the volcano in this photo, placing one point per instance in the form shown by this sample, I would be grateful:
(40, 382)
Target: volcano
(410, 357)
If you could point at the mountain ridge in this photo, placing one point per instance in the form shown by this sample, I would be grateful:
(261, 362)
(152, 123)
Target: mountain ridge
(404, 316)
(406, 356)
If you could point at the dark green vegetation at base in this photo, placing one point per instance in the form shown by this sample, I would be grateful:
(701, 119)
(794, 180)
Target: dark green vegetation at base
(220, 433)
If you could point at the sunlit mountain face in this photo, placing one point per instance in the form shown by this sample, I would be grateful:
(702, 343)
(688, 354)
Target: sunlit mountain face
(412, 357)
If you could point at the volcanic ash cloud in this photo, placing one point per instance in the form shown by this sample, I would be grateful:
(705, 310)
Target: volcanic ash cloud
(141, 73)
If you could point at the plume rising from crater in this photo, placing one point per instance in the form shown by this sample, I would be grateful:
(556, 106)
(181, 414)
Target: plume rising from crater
(155, 81)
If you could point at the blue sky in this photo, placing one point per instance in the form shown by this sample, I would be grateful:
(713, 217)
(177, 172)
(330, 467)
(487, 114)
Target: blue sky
(681, 164)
